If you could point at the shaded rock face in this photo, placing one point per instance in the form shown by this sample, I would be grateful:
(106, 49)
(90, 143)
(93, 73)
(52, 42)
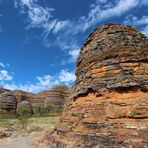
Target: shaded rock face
(58, 95)
(8, 103)
(110, 97)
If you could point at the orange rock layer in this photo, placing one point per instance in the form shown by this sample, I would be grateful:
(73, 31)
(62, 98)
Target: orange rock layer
(115, 119)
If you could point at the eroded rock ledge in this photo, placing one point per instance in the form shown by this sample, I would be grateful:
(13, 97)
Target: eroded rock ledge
(109, 107)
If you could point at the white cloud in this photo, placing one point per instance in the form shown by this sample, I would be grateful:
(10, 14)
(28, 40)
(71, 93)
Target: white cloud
(2, 65)
(60, 25)
(100, 13)
(73, 55)
(145, 30)
(40, 17)
(43, 82)
(135, 21)
(5, 76)
(66, 77)
(100, 10)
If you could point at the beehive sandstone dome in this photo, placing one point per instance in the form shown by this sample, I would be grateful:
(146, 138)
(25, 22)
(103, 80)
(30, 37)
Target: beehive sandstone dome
(109, 106)
(114, 56)
(8, 103)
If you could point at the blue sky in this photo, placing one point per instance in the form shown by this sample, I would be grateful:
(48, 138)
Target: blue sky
(40, 39)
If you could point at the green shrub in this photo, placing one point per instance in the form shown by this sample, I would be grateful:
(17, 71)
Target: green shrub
(23, 113)
(54, 108)
(41, 110)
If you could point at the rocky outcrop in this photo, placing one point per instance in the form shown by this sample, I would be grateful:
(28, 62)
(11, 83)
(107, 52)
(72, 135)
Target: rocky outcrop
(34, 99)
(8, 103)
(57, 96)
(109, 107)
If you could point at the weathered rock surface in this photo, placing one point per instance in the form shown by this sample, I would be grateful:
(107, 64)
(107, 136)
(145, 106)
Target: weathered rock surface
(8, 103)
(34, 99)
(57, 95)
(109, 107)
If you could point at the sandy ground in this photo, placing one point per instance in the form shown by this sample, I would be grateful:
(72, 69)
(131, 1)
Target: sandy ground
(12, 136)
(18, 141)
(21, 140)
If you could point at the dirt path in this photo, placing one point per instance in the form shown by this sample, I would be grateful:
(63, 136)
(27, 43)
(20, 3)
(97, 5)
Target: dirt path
(19, 141)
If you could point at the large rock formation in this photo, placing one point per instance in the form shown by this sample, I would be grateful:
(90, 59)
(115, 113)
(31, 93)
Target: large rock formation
(34, 99)
(8, 103)
(57, 95)
(109, 107)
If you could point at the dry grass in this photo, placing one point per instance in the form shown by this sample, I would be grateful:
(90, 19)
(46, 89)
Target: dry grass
(31, 125)
(42, 123)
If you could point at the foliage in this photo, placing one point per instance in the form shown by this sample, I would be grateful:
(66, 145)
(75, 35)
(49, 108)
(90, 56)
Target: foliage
(41, 110)
(24, 111)
(53, 108)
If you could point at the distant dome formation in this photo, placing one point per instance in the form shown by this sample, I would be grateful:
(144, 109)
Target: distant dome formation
(109, 106)
(8, 103)
(57, 96)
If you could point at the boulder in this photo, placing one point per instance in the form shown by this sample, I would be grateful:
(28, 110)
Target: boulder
(109, 107)
(24, 108)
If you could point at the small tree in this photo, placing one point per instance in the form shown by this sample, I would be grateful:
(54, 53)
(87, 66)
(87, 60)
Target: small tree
(24, 112)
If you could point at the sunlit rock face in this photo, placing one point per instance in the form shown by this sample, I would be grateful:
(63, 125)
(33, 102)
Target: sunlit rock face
(109, 107)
